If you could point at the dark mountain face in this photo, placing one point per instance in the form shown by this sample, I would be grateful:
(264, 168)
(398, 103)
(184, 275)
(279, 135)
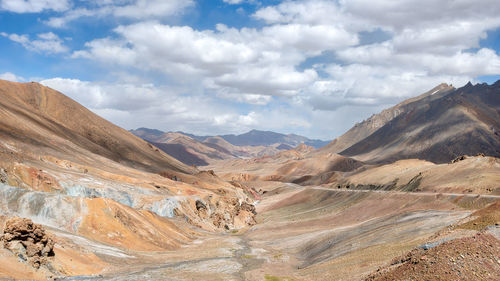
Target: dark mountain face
(463, 121)
(284, 147)
(254, 138)
(151, 135)
(181, 153)
(316, 143)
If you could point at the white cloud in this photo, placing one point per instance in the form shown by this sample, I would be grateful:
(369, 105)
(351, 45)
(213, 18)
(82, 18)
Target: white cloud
(48, 43)
(137, 105)
(34, 6)
(273, 81)
(253, 99)
(302, 12)
(364, 85)
(107, 96)
(482, 62)
(246, 61)
(11, 77)
(312, 39)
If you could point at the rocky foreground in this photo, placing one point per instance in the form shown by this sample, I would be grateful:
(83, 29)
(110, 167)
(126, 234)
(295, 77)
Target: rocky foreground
(469, 258)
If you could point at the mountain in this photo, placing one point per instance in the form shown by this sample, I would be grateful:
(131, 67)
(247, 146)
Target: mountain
(37, 116)
(243, 151)
(369, 126)
(151, 135)
(437, 126)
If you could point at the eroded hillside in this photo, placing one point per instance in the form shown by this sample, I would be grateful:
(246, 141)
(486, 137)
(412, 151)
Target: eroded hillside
(105, 195)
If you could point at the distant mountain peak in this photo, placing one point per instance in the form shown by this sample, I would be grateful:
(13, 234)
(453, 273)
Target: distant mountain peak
(150, 131)
(469, 84)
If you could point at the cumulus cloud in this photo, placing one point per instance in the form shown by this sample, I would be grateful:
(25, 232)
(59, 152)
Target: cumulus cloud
(247, 64)
(48, 43)
(34, 6)
(246, 61)
(316, 12)
(307, 59)
(365, 85)
(426, 46)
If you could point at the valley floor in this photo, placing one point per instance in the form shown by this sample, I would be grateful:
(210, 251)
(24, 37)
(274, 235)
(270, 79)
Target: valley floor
(315, 233)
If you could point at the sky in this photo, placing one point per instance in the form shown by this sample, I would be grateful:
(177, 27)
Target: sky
(313, 67)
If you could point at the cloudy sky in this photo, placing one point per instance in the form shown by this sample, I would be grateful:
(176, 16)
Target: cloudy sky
(227, 66)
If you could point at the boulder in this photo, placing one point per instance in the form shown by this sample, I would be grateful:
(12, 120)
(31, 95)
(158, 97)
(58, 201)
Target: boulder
(28, 240)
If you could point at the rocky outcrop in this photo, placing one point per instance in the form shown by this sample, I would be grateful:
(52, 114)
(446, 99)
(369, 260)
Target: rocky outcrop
(459, 158)
(3, 176)
(28, 241)
(225, 213)
(248, 207)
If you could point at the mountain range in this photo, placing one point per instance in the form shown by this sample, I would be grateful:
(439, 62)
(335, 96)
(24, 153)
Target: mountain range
(202, 150)
(250, 138)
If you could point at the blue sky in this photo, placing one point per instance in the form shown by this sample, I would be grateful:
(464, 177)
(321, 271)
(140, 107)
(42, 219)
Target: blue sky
(310, 67)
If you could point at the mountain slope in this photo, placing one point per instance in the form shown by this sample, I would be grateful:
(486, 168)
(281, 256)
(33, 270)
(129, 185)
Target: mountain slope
(463, 121)
(39, 116)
